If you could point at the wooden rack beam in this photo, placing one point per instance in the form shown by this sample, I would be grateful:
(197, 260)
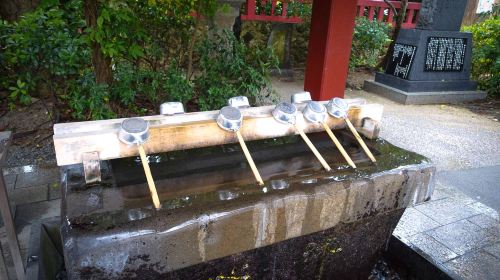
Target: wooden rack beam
(190, 130)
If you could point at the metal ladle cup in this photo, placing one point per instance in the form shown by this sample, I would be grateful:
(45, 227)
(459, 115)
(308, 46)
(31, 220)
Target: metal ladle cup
(231, 119)
(135, 131)
(238, 102)
(315, 112)
(171, 108)
(338, 108)
(286, 113)
(301, 97)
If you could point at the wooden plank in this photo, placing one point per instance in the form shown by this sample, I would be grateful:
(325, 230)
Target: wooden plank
(158, 120)
(170, 133)
(10, 228)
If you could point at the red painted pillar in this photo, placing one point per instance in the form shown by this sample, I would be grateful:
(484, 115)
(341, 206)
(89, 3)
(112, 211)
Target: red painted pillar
(330, 41)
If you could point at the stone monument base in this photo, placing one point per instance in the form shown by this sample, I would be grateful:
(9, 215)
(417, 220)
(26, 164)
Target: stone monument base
(420, 92)
(425, 85)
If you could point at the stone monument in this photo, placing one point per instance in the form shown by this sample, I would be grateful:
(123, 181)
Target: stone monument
(432, 63)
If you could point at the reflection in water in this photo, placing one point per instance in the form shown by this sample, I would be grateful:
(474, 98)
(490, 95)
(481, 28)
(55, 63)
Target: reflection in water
(137, 214)
(228, 195)
(279, 184)
(151, 159)
(123, 235)
(310, 181)
(201, 178)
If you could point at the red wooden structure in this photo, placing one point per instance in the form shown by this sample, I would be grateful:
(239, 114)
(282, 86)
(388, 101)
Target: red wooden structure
(252, 13)
(332, 26)
(372, 9)
(330, 41)
(379, 10)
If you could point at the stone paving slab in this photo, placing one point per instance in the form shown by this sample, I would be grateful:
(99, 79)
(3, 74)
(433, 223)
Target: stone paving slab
(447, 210)
(481, 208)
(494, 250)
(462, 236)
(413, 222)
(29, 195)
(484, 221)
(26, 215)
(3, 267)
(37, 178)
(10, 181)
(471, 237)
(431, 247)
(54, 190)
(475, 265)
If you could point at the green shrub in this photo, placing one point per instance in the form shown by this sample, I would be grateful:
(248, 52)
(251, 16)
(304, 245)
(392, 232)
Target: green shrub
(88, 100)
(42, 47)
(152, 45)
(486, 54)
(370, 42)
(131, 87)
(228, 68)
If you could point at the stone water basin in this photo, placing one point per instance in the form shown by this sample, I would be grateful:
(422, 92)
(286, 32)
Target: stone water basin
(217, 223)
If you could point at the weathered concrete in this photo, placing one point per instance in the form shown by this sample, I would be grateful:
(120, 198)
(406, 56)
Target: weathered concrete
(204, 227)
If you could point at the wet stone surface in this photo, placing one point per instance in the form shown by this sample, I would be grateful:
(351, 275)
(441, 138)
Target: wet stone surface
(414, 222)
(462, 236)
(214, 218)
(494, 250)
(433, 248)
(475, 265)
(446, 210)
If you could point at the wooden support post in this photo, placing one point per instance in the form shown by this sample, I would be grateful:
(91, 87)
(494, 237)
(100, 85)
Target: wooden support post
(330, 42)
(8, 221)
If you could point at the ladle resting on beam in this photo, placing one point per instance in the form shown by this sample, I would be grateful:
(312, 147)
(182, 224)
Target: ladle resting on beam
(135, 131)
(231, 119)
(338, 108)
(315, 112)
(286, 113)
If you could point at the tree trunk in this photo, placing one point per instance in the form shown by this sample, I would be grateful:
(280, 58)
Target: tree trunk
(401, 17)
(470, 12)
(11, 10)
(101, 63)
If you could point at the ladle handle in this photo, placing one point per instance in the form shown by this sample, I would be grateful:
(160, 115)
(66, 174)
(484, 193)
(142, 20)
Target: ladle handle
(149, 178)
(313, 149)
(360, 140)
(339, 146)
(249, 158)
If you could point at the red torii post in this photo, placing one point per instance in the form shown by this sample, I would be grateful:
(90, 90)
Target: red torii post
(330, 40)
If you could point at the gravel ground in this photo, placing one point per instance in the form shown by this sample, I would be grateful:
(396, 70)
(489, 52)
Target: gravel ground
(32, 136)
